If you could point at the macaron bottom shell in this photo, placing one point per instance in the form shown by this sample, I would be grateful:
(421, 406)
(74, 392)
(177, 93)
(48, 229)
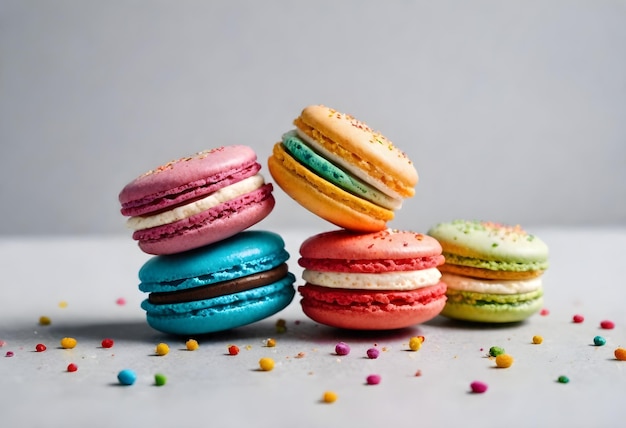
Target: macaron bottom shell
(206, 228)
(221, 313)
(372, 310)
(492, 312)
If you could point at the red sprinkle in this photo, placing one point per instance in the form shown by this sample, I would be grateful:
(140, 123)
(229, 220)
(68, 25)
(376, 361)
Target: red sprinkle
(107, 343)
(72, 367)
(478, 387)
(422, 338)
(373, 379)
(40, 347)
(121, 301)
(233, 349)
(578, 318)
(9, 354)
(544, 312)
(607, 325)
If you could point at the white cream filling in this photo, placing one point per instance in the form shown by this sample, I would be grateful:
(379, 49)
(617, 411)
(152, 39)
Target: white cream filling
(351, 168)
(490, 286)
(396, 281)
(216, 198)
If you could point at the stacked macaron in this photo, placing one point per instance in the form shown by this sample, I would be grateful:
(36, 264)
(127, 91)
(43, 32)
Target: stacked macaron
(363, 276)
(208, 273)
(493, 271)
(340, 169)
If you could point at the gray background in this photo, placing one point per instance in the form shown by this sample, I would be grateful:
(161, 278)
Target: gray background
(512, 111)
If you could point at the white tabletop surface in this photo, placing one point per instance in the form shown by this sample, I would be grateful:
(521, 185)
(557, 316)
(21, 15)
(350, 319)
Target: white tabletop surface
(207, 387)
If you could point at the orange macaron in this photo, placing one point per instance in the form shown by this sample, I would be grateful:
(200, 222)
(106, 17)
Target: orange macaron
(342, 170)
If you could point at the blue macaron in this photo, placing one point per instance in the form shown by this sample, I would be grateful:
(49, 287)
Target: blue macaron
(228, 284)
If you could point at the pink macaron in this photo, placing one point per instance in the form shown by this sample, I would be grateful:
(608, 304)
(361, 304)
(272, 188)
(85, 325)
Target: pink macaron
(373, 281)
(197, 200)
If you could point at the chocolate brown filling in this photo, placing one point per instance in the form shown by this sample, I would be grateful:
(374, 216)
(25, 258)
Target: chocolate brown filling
(220, 288)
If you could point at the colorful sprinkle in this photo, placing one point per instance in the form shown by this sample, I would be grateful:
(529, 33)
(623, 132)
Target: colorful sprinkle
(233, 350)
(126, 377)
(107, 343)
(2, 343)
(494, 351)
(544, 312)
(121, 301)
(62, 304)
(537, 340)
(342, 348)
(578, 318)
(415, 343)
(68, 343)
(266, 364)
(329, 397)
(281, 326)
(159, 379)
(620, 354)
(192, 345)
(373, 353)
(373, 379)
(43, 320)
(478, 387)
(599, 341)
(563, 379)
(607, 325)
(504, 361)
(9, 354)
(40, 347)
(162, 349)
(72, 367)
(418, 373)
(270, 343)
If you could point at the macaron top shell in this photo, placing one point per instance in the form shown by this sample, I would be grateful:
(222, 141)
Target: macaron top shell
(246, 253)
(490, 241)
(188, 178)
(352, 143)
(386, 244)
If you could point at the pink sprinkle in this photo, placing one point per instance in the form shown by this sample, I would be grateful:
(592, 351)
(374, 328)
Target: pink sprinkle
(578, 318)
(9, 354)
(478, 387)
(121, 301)
(373, 379)
(342, 348)
(373, 353)
(607, 325)
(2, 343)
(544, 312)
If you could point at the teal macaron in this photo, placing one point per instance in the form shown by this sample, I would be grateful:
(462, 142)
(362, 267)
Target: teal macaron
(337, 176)
(225, 285)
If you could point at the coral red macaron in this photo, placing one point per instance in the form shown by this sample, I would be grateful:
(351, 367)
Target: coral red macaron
(197, 200)
(371, 281)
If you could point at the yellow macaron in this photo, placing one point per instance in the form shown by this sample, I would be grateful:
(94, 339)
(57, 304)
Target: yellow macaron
(342, 170)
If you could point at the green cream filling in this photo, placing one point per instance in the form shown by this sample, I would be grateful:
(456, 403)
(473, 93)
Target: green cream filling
(480, 299)
(454, 259)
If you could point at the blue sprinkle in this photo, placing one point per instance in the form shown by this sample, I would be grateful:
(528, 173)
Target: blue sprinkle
(127, 377)
(599, 341)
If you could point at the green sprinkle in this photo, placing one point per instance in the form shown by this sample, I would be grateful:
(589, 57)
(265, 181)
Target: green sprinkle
(159, 379)
(563, 379)
(494, 245)
(599, 341)
(494, 351)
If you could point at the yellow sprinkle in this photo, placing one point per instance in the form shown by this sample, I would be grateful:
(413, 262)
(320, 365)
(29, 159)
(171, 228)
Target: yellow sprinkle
(192, 345)
(266, 364)
(43, 320)
(270, 343)
(415, 343)
(330, 397)
(68, 343)
(504, 361)
(63, 304)
(537, 340)
(162, 349)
